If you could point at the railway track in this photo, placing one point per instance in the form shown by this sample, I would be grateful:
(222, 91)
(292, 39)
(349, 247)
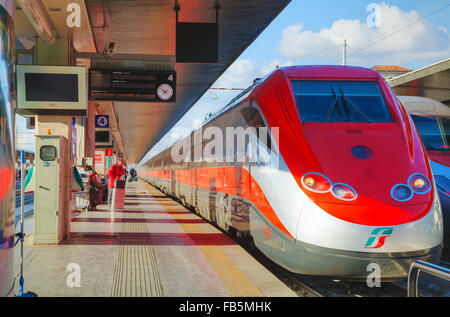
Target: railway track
(29, 198)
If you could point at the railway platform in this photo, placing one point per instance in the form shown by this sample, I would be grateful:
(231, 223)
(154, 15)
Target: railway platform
(153, 247)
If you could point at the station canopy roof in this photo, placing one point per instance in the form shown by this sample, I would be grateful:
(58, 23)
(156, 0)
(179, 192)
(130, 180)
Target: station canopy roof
(432, 81)
(144, 32)
(146, 29)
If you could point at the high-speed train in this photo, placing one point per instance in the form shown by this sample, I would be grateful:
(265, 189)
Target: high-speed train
(321, 166)
(7, 153)
(432, 120)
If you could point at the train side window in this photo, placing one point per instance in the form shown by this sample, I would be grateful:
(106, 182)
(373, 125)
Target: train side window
(445, 123)
(340, 101)
(434, 135)
(254, 118)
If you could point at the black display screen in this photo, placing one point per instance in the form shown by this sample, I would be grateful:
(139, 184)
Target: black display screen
(51, 87)
(130, 85)
(193, 48)
(102, 136)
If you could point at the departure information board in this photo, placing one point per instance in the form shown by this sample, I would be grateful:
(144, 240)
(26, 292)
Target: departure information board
(132, 85)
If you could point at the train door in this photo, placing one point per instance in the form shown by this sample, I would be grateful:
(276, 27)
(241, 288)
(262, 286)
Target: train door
(239, 208)
(222, 217)
(212, 198)
(195, 193)
(172, 182)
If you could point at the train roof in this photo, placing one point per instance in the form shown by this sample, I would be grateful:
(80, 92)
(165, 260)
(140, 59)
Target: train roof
(422, 106)
(327, 71)
(317, 71)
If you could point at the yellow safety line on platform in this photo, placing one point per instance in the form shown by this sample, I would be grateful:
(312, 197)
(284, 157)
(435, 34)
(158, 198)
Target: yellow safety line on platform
(233, 278)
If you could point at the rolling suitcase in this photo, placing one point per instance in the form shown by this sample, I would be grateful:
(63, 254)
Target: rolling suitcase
(118, 197)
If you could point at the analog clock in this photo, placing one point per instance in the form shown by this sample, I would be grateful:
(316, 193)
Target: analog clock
(165, 92)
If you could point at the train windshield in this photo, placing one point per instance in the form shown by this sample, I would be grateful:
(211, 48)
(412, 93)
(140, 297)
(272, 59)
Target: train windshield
(340, 101)
(434, 132)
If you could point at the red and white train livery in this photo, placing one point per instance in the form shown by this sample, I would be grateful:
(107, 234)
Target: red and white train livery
(351, 183)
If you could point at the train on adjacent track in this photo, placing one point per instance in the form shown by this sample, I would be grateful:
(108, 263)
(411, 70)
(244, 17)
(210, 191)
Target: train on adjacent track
(7, 152)
(432, 120)
(321, 166)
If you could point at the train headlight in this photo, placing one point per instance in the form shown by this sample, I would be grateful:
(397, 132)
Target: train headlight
(401, 192)
(343, 192)
(419, 183)
(316, 182)
(310, 182)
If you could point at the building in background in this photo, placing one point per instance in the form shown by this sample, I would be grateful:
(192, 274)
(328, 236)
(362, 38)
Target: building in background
(391, 71)
(29, 156)
(29, 161)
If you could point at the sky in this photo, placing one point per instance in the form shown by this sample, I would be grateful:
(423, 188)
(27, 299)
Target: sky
(408, 33)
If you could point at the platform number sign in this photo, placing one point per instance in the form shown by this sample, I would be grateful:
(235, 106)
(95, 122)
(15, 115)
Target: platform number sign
(102, 121)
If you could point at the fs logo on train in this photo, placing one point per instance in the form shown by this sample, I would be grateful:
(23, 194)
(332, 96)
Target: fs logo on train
(378, 237)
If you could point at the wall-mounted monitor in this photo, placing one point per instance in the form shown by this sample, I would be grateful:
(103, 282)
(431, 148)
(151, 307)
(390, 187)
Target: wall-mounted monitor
(51, 90)
(103, 138)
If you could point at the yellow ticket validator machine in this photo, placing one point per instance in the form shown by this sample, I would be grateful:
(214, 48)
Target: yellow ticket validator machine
(50, 191)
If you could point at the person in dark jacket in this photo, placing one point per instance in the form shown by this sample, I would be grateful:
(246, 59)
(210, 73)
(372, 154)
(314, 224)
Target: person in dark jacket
(133, 174)
(95, 191)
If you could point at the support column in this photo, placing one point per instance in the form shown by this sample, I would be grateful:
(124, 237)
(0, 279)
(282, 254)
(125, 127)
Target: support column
(90, 129)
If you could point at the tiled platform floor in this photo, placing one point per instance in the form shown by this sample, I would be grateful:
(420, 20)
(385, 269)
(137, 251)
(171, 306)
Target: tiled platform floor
(154, 247)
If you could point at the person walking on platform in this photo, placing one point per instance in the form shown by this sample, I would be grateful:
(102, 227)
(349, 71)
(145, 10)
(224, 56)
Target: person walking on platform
(115, 172)
(133, 174)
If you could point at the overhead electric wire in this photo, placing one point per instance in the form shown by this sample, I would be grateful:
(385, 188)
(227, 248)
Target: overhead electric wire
(321, 51)
(386, 34)
(382, 56)
(396, 31)
(407, 23)
(224, 88)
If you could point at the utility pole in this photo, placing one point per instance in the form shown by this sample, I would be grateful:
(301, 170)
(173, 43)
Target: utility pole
(344, 53)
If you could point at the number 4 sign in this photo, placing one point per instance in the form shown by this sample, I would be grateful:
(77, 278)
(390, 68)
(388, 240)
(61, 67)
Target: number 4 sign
(102, 121)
